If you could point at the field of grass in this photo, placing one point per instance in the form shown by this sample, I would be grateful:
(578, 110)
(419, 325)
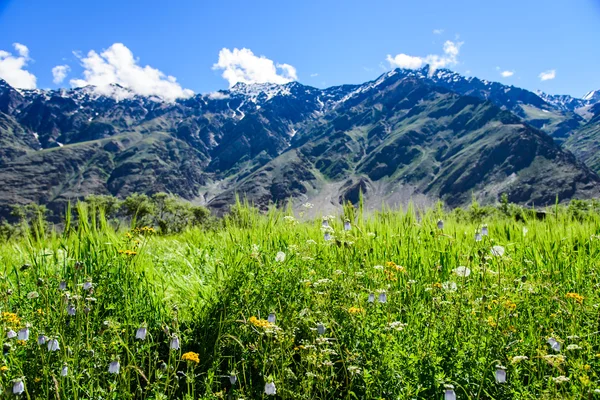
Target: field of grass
(394, 308)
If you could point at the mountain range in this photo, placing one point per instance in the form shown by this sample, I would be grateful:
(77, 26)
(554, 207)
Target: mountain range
(417, 135)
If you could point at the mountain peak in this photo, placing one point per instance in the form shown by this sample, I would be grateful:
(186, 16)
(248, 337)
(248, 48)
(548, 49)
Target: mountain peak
(593, 96)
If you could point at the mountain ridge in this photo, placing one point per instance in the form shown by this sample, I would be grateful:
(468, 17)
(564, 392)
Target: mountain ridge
(208, 146)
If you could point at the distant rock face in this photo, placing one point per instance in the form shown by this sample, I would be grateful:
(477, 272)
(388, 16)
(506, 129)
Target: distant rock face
(408, 134)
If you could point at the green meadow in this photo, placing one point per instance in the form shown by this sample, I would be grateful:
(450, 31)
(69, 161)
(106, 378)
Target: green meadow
(399, 304)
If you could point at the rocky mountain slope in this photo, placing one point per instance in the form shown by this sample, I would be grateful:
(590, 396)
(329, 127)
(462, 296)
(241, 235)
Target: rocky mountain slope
(585, 142)
(407, 135)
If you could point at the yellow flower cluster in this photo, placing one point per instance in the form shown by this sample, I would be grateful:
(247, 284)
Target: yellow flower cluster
(128, 252)
(191, 357)
(11, 318)
(355, 310)
(391, 269)
(144, 230)
(575, 296)
(510, 305)
(259, 323)
(437, 285)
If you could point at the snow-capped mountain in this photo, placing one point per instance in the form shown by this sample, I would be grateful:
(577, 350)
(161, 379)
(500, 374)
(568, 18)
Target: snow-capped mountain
(592, 97)
(420, 128)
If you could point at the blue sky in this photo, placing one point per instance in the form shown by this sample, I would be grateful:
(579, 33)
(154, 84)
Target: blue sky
(318, 42)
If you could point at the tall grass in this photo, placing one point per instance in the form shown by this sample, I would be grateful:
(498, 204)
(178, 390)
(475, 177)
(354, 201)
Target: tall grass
(214, 290)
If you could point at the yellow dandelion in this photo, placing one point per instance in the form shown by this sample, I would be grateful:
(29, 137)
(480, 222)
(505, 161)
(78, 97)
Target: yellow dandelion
(355, 310)
(4, 368)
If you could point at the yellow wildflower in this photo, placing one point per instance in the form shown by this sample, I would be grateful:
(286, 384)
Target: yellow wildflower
(11, 318)
(437, 285)
(585, 380)
(575, 296)
(4, 368)
(259, 323)
(510, 305)
(491, 322)
(191, 357)
(355, 310)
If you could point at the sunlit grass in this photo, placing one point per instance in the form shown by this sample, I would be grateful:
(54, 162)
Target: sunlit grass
(393, 308)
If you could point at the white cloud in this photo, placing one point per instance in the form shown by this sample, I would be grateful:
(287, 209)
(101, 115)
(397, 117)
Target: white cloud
(438, 31)
(450, 57)
(547, 75)
(116, 65)
(314, 75)
(405, 61)
(12, 68)
(243, 66)
(506, 74)
(218, 96)
(60, 73)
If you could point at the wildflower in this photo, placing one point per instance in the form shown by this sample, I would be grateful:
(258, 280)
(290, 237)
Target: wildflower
(270, 389)
(354, 370)
(174, 343)
(497, 251)
(371, 298)
(510, 305)
(555, 345)
(382, 297)
(114, 367)
(141, 333)
(355, 310)
(308, 206)
(347, 225)
(575, 296)
(64, 371)
(573, 347)
(477, 237)
(232, 379)
(462, 271)
(518, 359)
(191, 357)
(33, 295)
(321, 329)
(555, 359)
(41, 340)
(449, 393)
(18, 386)
(87, 285)
(397, 325)
(325, 222)
(271, 318)
(53, 345)
(71, 310)
(310, 241)
(560, 379)
(327, 236)
(500, 374)
(4, 368)
(449, 286)
(379, 267)
(23, 334)
(484, 230)
(11, 334)
(62, 285)
(259, 323)
(280, 257)
(440, 224)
